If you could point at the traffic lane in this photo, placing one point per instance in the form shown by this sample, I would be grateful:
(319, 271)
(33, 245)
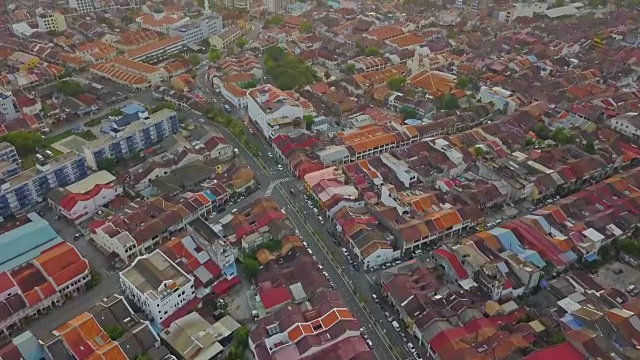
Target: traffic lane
(359, 282)
(342, 284)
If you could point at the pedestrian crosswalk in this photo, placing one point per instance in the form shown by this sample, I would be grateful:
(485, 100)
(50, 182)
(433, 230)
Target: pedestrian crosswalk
(273, 184)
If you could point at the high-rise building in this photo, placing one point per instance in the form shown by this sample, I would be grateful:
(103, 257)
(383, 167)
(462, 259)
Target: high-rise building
(8, 104)
(51, 21)
(82, 6)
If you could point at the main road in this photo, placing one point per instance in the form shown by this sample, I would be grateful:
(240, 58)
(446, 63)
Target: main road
(354, 286)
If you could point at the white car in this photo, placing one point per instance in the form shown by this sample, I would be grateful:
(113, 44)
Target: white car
(417, 356)
(305, 244)
(411, 347)
(369, 343)
(344, 251)
(325, 274)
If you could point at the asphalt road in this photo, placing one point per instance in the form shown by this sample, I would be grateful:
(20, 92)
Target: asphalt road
(354, 286)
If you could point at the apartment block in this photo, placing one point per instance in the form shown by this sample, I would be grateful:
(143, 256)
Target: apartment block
(29, 187)
(199, 30)
(157, 285)
(120, 144)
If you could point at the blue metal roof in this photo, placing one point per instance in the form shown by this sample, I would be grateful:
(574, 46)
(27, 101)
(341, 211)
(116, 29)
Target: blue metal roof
(132, 109)
(209, 195)
(26, 242)
(29, 346)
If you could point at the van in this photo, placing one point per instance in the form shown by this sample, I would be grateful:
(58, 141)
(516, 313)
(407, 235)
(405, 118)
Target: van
(395, 325)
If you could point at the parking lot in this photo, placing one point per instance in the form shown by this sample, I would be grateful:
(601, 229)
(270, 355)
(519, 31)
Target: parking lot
(608, 278)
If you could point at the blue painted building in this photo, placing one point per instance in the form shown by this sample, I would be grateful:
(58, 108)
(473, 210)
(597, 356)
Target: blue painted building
(24, 346)
(30, 187)
(137, 136)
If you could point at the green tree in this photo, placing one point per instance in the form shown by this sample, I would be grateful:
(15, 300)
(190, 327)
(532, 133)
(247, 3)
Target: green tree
(163, 105)
(194, 60)
(251, 267)
(371, 51)
(408, 112)
(448, 102)
(559, 3)
(214, 55)
(462, 82)
(287, 71)
(478, 151)
(115, 332)
(249, 84)
(590, 147)
(561, 136)
(308, 121)
(327, 75)
(241, 43)
(115, 112)
(25, 142)
(107, 163)
(350, 69)
(528, 142)
(276, 20)
(396, 83)
(306, 27)
(69, 87)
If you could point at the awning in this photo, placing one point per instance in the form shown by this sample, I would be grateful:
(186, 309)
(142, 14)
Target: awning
(222, 287)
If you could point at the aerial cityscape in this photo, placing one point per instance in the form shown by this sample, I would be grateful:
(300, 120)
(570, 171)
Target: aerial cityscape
(319, 180)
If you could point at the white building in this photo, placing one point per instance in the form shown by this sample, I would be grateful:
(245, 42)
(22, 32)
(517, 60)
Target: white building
(199, 30)
(8, 104)
(627, 124)
(234, 4)
(400, 168)
(82, 6)
(502, 99)
(120, 144)
(51, 21)
(79, 201)
(157, 285)
(235, 94)
(267, 103)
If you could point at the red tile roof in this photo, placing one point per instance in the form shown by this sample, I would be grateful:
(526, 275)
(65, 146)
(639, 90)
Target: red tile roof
(564, 351)
(221, 287)
(189, 307)
(69, 201)
(5, 282)
(457, 266)
(62, 263)
(274, 296)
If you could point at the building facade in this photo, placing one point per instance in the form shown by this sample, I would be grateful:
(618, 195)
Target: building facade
(8, 104)
(82, 6)
(157, 285)
(51, 21)
(135, 137)
(199, 30)
(31, 186)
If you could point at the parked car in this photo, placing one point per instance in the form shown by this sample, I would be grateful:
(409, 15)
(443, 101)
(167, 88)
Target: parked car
(618, 271)
(417, 356)
(369, 343)
(411, 347)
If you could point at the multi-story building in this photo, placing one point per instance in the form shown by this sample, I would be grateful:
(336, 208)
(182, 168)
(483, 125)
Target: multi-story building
(9, 161)
(278, 6)
(119, 144)
(196, 32)
(131, 73)
(234, 4)
(226, 38)
(79, 201)
(269, 106)
(157, 285)
(82, 6)
(29, 187)
(157, 50)
(8, 104)
(627, 124)
(51, 21)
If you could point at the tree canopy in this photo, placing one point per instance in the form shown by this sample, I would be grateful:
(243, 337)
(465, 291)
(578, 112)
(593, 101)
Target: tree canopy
(463, 82)
(276, 20)
(590, 147)
(108, 164)
(448, 102)
(287, 71)
(69, 87)
(308, 121)
(25, 142)
(214, 54)
(350, 69)
(163, 105)
(396, 83)
(408, 112)
(251, 267)
(561, 136)
(241, 43)
(194, 60)
(371, 51)
(306, 27)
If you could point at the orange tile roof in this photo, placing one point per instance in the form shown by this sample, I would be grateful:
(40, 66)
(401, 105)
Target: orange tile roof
(110, 70)
(431, 82)
(62, 263)
(407, 40)
(235, 90)
(135, 65)
(385, 32)
(151, 47)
